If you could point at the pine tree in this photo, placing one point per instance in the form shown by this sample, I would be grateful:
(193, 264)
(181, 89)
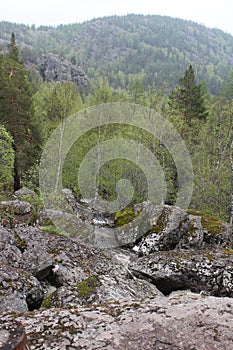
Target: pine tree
(187, 99)
(16, 112)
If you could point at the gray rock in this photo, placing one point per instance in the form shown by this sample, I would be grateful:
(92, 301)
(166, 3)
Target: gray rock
(65, 272)
(206, 232)
(16, 212)
(55, 68)
(166, 230)
(25, 192)
(183, 321)
(203, 270)
(19, 290)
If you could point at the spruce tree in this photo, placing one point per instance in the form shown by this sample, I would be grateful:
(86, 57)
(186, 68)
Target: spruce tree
(16, 112)
(187, 99)
(13, 51)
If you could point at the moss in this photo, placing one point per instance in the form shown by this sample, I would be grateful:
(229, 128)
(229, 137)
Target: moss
(48, 300)
(124, 217)
(160, 225)
(35, 202)
(53, 229)
(87, 286)
(228, 252)
(210, 256)
(20, 243)
(190, 234)
(211, 223)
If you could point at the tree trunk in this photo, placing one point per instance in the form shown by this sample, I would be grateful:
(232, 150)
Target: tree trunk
(16, 170)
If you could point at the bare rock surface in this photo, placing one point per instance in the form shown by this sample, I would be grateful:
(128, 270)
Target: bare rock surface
(182, 321)
(55, 68)
(73, 295)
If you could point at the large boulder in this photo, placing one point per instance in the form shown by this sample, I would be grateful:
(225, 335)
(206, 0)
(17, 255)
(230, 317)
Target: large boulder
(20, 291)
(166, 230)
(206, 231)
(15, 212)
(200, 271)
(175, 228)
(182, 321)
(60, 271)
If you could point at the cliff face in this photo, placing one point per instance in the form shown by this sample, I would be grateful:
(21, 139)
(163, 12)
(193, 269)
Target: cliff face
(55, 68)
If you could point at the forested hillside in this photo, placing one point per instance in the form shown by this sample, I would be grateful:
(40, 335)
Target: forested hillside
(156, 49)
(177, 68)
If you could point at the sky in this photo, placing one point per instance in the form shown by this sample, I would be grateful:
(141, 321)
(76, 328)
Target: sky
(212, 13)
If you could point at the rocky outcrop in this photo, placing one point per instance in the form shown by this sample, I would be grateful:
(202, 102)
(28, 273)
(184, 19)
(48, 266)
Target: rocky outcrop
(130, 297)
(182, 321)
(166, 230)
(175, 228)
(12, 336)
(198, 270)
(55, 68)
(44, 269)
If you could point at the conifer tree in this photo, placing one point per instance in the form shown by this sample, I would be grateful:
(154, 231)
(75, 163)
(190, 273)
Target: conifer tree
(187, 99)
(16, 112)
(13, 51)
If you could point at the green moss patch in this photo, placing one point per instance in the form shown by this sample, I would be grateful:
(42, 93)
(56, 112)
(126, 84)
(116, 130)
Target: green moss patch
(53, 229)
(212, 224)
(48, 301)
(124, 217)
(88, 286)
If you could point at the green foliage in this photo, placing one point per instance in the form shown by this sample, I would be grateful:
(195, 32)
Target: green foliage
(13, 51)
(211, 160)
(154, 49)
(53, 229)
(227, 89)
(16, 112)
(54, 102)
(135, 65)
(187, 101)
(6, 164)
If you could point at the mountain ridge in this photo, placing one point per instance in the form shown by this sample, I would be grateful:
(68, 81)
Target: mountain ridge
(157, 49)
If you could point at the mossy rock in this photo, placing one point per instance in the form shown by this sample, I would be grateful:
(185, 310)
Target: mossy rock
(53, 229)
(48, 301)
(88, 286)
(124, 217)
(211, 223)
(16, 213)
(20, 243)
(29, 196)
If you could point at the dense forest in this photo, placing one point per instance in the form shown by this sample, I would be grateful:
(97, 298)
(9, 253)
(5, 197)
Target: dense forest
(179, 69)
(155, 49)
